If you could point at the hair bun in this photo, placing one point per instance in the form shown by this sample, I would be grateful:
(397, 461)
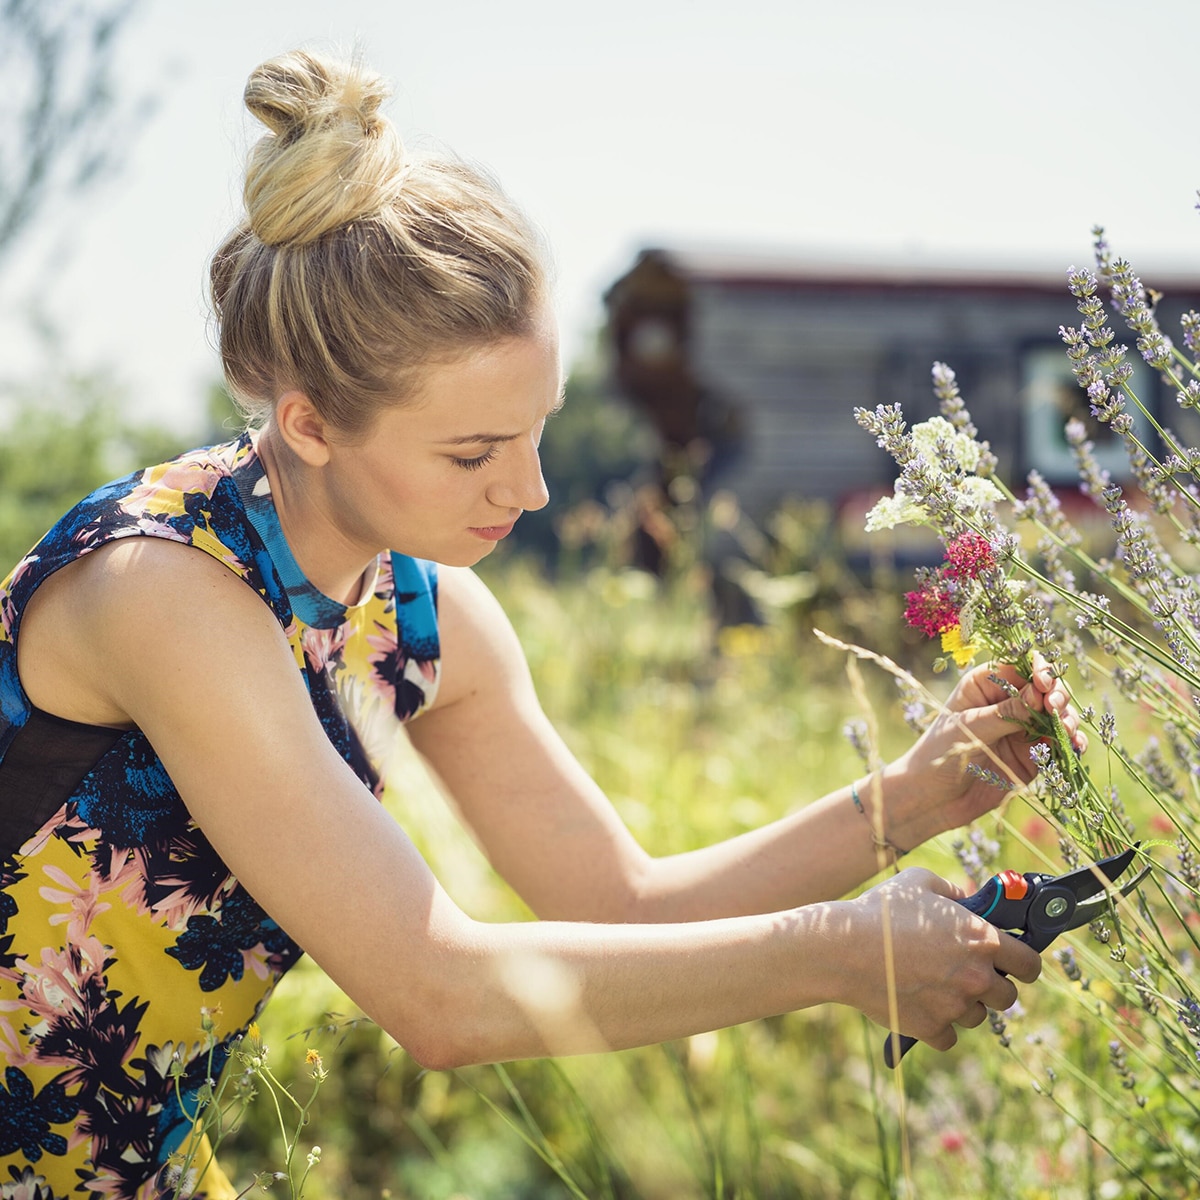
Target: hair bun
(329, 157)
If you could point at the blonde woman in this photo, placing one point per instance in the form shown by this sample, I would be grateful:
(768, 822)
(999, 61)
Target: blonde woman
(195, 662)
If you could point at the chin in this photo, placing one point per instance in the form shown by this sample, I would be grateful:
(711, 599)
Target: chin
(460, 558)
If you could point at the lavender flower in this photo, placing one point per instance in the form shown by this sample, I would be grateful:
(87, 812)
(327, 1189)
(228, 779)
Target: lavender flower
(855, 732)
(1107, 727)
(1158, 772)
(1143, 985)
(1066, 959)
(1042, 506)
(977, 855)
(1189, 866)
(917, 714)
(1094, 480)
(1117, 1060)
(1188, 1013)
(999, 1027)
(950, 402)
(1190, 324)
(989, 776)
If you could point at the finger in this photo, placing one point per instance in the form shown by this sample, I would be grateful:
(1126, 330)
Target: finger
(975, 1015)
(1017, 959)
(946, 1039)
(1042, 674)
(1001, 995)
(1050, 698)
(979, 687)
(990, 723)
(933, 883)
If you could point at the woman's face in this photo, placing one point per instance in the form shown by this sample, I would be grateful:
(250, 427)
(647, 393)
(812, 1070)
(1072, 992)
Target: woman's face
(446, 476)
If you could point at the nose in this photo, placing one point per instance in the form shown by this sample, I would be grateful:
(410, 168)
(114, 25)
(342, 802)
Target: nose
(522, 485)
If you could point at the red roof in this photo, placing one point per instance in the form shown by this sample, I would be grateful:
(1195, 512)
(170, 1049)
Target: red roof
(816, 270)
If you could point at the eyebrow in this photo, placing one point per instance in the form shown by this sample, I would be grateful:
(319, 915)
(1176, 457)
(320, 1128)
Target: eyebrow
(469, 438)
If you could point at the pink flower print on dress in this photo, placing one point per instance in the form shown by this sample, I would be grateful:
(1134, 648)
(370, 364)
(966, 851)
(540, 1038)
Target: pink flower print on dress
(58, 985)
(8, 615)
(160, 487)
(322, 646)
(84, 900)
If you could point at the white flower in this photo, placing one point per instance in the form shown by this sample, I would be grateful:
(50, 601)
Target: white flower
(975, 493)
(963, 448)
(971, 493)
(895, 510)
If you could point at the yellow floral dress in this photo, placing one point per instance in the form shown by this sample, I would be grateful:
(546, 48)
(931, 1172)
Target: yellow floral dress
(119, 923)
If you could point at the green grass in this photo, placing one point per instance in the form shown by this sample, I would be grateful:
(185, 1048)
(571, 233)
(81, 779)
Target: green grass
(694, 744)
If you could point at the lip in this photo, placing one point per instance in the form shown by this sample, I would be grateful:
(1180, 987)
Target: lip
(493, 533)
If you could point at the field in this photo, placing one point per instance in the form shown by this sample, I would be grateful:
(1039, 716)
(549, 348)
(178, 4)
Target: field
(697, 734)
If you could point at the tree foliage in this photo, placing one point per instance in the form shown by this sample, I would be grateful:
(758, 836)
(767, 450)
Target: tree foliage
(64, 439)
(64, 128)
(65, 120)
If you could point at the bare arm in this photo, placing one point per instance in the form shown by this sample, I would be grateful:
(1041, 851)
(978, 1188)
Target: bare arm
(551, 833)
(332, 867)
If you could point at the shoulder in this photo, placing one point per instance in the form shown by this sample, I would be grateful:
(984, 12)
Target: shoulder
(135, 609)
(155, 590)
(124, 575)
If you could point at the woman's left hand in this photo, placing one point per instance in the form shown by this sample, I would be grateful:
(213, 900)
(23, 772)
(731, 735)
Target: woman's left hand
(930, 788)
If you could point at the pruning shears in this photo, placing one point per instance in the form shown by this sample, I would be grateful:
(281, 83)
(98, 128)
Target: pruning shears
(1039, 907)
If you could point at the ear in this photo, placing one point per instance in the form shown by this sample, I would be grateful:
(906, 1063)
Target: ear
(302, 428)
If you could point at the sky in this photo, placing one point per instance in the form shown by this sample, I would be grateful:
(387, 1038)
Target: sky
(924, 132)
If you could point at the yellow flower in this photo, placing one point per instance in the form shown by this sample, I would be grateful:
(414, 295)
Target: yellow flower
(318, 1067)
(963, 652)
(744, 641)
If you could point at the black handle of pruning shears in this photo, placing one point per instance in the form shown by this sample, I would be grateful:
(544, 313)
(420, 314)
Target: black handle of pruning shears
(1038, 908)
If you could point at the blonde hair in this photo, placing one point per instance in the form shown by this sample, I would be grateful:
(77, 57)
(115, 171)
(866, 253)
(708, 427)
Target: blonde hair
(356, 263)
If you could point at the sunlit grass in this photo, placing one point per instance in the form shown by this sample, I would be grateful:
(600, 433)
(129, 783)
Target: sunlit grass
(696, 736)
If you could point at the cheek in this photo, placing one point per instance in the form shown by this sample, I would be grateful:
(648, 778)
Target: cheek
(431, 490)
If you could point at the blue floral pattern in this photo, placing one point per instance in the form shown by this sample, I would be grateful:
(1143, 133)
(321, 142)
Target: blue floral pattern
(25, 1118)
(119, 922)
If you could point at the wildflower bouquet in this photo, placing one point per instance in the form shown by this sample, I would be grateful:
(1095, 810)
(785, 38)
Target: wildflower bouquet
(1123, 632)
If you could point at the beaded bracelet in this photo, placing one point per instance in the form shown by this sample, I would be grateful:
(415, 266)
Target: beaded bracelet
(880, 843)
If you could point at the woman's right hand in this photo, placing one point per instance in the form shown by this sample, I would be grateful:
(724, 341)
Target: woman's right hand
(945, 962)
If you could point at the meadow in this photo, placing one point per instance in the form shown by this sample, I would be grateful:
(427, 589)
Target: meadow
(698, 733)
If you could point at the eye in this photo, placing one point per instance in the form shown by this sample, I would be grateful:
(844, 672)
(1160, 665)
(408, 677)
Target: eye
(473, 464)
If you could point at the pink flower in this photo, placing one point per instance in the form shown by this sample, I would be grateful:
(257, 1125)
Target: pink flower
(968, 556)
(160, 488)
(931, 609)
(952, 1141)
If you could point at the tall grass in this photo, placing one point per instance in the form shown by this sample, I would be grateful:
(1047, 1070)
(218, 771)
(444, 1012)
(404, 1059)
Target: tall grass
(697, 734)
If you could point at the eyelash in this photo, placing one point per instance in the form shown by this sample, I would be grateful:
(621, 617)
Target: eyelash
(474, 464)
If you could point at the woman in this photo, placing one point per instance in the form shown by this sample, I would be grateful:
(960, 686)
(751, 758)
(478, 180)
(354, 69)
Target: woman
(200, 663)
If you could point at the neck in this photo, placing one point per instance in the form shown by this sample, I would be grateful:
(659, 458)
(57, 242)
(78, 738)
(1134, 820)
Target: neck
(330, 562)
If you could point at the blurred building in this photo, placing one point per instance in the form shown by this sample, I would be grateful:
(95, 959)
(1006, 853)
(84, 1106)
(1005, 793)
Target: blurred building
(761, 361)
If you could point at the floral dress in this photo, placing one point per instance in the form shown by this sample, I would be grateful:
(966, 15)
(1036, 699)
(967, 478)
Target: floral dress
(120, 926)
